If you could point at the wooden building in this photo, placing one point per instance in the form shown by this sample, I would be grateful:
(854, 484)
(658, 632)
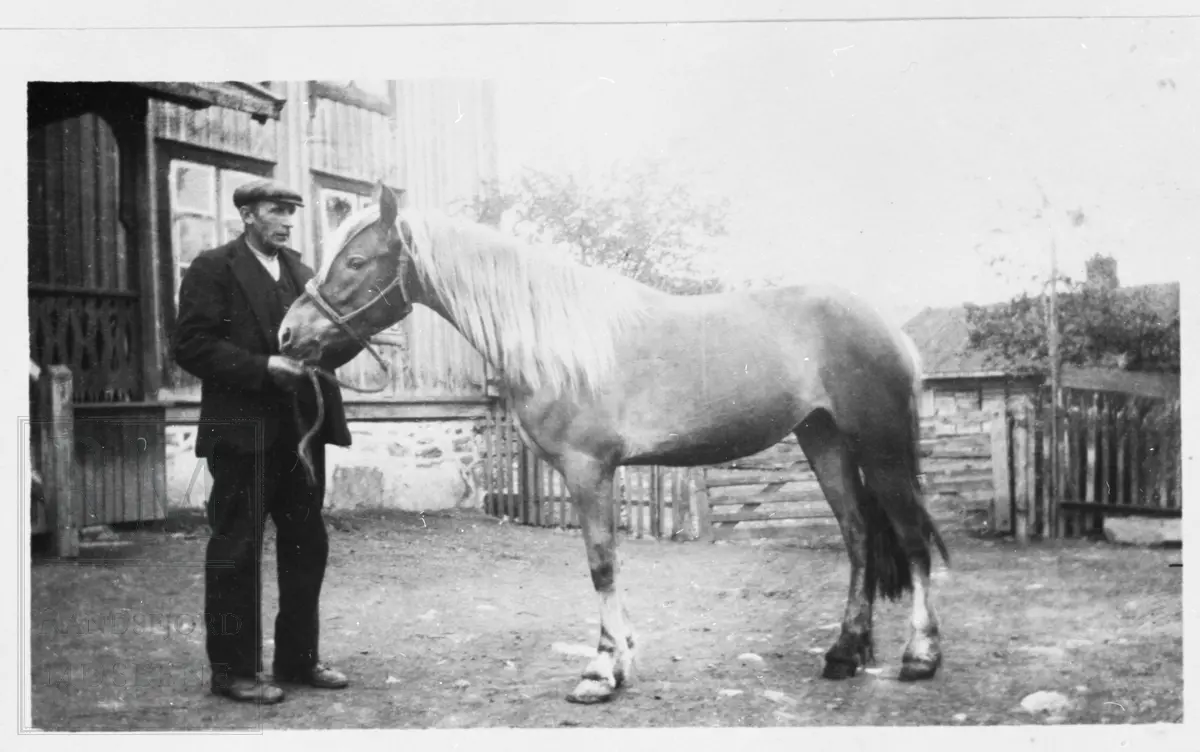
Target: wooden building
(963, 387)
(129, 181)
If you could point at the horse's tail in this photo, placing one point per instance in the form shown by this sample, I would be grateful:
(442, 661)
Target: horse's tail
(899, 527)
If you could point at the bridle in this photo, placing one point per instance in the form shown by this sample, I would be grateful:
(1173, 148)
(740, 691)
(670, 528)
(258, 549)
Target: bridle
(342, 320)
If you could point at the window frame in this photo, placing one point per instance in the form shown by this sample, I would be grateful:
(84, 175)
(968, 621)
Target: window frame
(326, 181)
(165, 153)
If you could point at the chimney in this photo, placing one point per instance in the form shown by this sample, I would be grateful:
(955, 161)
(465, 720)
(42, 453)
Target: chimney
(1102, 272)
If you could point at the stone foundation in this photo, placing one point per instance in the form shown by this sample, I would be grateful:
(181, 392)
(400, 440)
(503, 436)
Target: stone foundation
(416, 467)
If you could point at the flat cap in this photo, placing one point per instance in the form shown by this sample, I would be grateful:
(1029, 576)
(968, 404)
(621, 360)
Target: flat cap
(265, 189)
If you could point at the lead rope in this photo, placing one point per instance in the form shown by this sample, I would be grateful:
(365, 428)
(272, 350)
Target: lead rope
(304, 450)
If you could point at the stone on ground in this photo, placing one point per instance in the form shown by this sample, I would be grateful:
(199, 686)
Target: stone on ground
(1054, 705)
(779, 697)
(1136, 531)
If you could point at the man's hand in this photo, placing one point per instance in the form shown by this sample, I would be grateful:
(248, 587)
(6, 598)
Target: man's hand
(285, 372)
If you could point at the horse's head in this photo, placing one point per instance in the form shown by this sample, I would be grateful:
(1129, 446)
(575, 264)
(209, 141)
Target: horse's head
(364, 288)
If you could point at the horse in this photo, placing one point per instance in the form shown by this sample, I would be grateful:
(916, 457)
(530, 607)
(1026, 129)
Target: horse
(603, 371)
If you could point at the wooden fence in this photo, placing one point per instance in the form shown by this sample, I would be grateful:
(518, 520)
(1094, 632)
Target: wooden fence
(118, 471)
(776, 494)
(652, 501)
(768, 495)
(1118, 453)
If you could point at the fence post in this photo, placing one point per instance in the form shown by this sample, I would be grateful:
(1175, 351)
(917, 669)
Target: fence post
(1022, 452)
(1001, 509)
(61, 507)
(677, 487)
(1062, 468)
(700, 506)
(527, 485)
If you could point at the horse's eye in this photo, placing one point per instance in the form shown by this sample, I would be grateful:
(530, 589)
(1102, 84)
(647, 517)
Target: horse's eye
(356, 262)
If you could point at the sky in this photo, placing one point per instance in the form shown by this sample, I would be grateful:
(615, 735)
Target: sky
(892, 158)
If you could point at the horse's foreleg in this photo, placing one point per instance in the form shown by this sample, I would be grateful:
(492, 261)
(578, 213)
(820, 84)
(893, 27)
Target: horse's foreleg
(822, 443)
(591, 491)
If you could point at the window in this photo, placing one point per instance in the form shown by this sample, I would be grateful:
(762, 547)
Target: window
(201, 210)
(336, 205)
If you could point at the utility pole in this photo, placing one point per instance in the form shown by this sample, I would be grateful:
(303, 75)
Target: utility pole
(1052, 489)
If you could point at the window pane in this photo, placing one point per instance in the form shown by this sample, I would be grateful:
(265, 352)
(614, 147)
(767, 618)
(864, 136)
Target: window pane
(194, 187)
(192, 235)
(336, 206)
(231, 228)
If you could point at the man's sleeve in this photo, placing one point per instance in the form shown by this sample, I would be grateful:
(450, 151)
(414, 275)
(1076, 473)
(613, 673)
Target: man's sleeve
(200, 346)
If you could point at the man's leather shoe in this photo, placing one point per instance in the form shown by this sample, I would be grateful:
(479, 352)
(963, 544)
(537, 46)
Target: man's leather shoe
(319, 676)
(245, 689)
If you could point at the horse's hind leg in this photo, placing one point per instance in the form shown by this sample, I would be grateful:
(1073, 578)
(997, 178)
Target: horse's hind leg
(911, 550)
(591, 490)
(923, 654)
(823, 444)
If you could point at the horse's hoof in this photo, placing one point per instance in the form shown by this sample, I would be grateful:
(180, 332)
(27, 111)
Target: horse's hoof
(591, 691)
(835, 669)
(919, 669)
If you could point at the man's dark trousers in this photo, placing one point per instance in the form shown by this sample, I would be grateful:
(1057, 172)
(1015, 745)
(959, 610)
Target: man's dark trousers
(237, 513)
(230, 309)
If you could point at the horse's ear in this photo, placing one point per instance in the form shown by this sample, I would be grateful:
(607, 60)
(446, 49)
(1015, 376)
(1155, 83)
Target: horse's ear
(387, 206)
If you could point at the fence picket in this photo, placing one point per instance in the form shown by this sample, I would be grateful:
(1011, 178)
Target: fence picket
(1001, 507)
(563, 512)
(656, 515)
(509, 452)
(1120, 449)
(676, 503)
(1136, 425)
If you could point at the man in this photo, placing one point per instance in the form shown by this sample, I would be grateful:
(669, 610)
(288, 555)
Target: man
(231, 302)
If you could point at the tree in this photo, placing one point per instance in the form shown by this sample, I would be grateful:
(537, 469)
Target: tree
(635, 222)
(1099, 325)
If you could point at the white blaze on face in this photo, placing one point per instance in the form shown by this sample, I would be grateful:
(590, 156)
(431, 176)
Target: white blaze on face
(349, 227)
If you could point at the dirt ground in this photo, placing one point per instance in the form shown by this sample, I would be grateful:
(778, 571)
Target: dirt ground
(459, 621)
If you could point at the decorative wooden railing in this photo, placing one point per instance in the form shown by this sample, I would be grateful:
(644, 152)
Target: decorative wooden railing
(93, 333)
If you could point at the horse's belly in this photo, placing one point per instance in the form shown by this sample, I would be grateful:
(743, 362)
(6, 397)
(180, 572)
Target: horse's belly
(699, 432)
(691, 450)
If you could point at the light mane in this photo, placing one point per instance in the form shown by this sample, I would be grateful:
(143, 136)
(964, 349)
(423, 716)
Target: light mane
(540, 318)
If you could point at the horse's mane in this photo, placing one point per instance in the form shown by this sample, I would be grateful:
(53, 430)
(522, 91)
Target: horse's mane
(541, 318)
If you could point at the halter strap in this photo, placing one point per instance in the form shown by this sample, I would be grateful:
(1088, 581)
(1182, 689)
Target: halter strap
(342, 320)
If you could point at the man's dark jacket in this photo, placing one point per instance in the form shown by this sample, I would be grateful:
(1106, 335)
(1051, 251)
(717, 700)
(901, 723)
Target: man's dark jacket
(223, 336)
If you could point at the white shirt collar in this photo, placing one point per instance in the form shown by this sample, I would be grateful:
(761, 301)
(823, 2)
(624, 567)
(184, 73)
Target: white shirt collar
(270, 263)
